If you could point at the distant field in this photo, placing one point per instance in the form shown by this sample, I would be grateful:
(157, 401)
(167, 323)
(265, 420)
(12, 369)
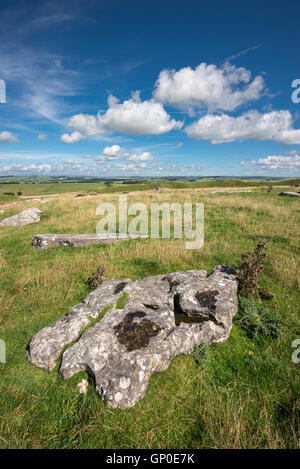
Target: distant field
(60, 188)
(244, 395)
(49, 188)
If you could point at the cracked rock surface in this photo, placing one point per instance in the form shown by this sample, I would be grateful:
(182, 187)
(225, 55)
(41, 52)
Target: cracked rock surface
(161, 317)
(48, 240)
(31, 215)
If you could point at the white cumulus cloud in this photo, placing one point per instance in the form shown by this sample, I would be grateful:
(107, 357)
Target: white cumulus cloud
(71, 138)
(275, 162)
(7, 137)
(42, 137)
(208, 87)
(145, 156)
(111, 153)
(132, 116)
(252, 125)
(115, 152)
(135, 167)
(280, 162)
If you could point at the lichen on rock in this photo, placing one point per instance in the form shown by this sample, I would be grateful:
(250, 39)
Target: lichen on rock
(133, 334)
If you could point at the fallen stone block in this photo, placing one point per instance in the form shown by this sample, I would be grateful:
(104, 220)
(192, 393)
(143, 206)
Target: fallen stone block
(27, 201)
(48, 240)
(10, 204)
(291, 194)
(230, 192)
(37, 201)
(31, 215)
(159, 318)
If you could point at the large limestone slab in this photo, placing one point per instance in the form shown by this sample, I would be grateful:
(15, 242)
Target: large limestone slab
(10, 204)
(31, 215)
(231, 192)
(37, 201)
(291, 194)
(163, 316)
(48, 240)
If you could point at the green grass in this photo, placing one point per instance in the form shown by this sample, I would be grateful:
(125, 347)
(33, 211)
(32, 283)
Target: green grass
(42, 188)
(122, 300)
(4, 199)
(244, 394)
(50, 188)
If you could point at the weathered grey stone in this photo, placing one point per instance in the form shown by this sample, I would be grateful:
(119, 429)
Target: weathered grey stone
(163, 316)
(31, 215)
(291, 194)
(47, 345)
(10, 204)
(37, 201)
(48, 240)
(230, 192)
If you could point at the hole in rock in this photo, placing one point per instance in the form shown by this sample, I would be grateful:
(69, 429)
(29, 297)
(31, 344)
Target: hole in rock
(172, 282)
(206, 299)
(119, 287)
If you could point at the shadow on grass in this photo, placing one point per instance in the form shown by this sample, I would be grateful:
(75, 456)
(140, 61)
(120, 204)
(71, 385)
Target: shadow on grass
(145, 267)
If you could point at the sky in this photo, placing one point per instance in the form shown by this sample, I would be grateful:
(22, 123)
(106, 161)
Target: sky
(149, 88)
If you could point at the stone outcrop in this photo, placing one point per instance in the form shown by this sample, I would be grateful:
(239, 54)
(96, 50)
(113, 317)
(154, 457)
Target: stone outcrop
(31, 215)
(37, 201)
(48, 240)
(230, 192)
(291, 194)
(150, 321)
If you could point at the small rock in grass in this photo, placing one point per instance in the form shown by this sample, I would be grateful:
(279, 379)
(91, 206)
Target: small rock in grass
(31, 215)
(83, 386)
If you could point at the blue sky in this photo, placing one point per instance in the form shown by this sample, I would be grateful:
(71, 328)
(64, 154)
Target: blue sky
(126, 88)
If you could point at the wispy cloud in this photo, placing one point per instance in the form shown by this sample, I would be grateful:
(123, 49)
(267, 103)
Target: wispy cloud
(243, 52)
(38, 83)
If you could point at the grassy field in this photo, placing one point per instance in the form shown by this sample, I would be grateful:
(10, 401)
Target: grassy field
(82, 187)
(244, 395)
